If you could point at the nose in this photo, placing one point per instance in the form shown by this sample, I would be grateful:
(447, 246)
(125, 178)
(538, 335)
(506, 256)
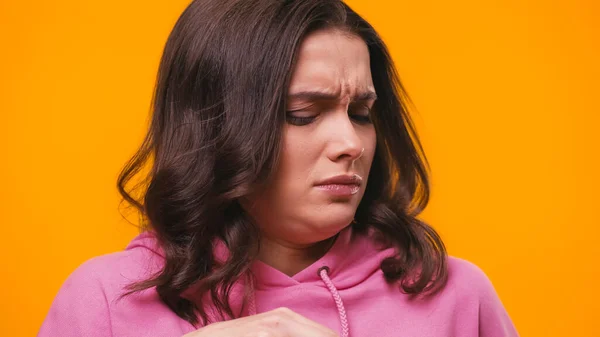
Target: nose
(345, 143)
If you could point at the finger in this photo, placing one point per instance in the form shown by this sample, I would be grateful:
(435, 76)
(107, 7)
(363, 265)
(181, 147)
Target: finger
(281, 322)
(296, 316)
(295, 324)
(295, 328)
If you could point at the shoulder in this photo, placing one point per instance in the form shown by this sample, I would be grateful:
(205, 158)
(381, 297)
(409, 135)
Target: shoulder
(466, 273)
(107, 276)
(111, 273)
(470, 285)
(468, 280)
(84, 302)
(472, 288)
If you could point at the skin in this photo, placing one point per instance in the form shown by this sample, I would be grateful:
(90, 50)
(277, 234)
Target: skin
(297, 219)
(322, 138)
(281, 322)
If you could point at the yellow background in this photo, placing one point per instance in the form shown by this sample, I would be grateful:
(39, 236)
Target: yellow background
(507, 99)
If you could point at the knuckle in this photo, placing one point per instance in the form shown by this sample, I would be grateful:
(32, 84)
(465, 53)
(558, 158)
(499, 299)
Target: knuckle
(284, 310)
(272, 321)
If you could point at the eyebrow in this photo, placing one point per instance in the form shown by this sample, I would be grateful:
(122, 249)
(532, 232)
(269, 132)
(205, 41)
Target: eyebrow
(312, 95)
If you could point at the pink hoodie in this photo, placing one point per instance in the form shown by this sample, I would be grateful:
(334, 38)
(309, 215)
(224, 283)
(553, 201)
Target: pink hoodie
(350, 296)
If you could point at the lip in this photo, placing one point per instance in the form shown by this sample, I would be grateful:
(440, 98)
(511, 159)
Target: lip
(345, 185)
(342, 179)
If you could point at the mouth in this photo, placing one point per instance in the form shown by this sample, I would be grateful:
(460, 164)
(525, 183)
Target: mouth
(344, 185)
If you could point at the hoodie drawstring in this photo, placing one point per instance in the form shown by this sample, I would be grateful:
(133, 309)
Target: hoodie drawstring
(337, 298)
(323, 274)
(251, 297)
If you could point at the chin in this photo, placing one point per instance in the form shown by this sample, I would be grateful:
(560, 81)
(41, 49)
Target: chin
(333, 222)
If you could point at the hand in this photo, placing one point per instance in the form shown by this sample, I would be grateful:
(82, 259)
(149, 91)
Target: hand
(281, 322)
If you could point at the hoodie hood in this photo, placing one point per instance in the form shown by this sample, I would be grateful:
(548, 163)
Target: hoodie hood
(351, 259)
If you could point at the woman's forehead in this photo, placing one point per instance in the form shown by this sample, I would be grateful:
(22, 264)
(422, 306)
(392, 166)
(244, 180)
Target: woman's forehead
(332, 63)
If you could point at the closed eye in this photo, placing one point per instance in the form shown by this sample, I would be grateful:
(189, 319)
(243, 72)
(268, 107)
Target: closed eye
(361, 119)
(360, 112)
(299, 121)
(357, 111)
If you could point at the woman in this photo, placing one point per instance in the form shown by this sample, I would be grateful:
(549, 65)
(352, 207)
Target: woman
(285, 182)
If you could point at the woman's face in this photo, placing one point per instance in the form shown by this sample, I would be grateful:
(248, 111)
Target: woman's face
(328, 143)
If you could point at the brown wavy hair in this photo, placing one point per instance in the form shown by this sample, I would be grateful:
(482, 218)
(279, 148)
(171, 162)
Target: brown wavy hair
(215, 132)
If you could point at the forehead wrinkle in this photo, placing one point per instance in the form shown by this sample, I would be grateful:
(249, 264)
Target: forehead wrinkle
(313, 95)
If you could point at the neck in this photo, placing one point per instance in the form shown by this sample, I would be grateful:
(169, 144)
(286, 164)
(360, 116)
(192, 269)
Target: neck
(291, 258)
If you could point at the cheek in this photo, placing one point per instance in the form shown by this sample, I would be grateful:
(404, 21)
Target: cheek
(296, 159)
(369, 139)
(299, 142)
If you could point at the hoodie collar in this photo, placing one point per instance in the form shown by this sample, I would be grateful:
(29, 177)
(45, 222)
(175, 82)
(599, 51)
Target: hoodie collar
(352, 258)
